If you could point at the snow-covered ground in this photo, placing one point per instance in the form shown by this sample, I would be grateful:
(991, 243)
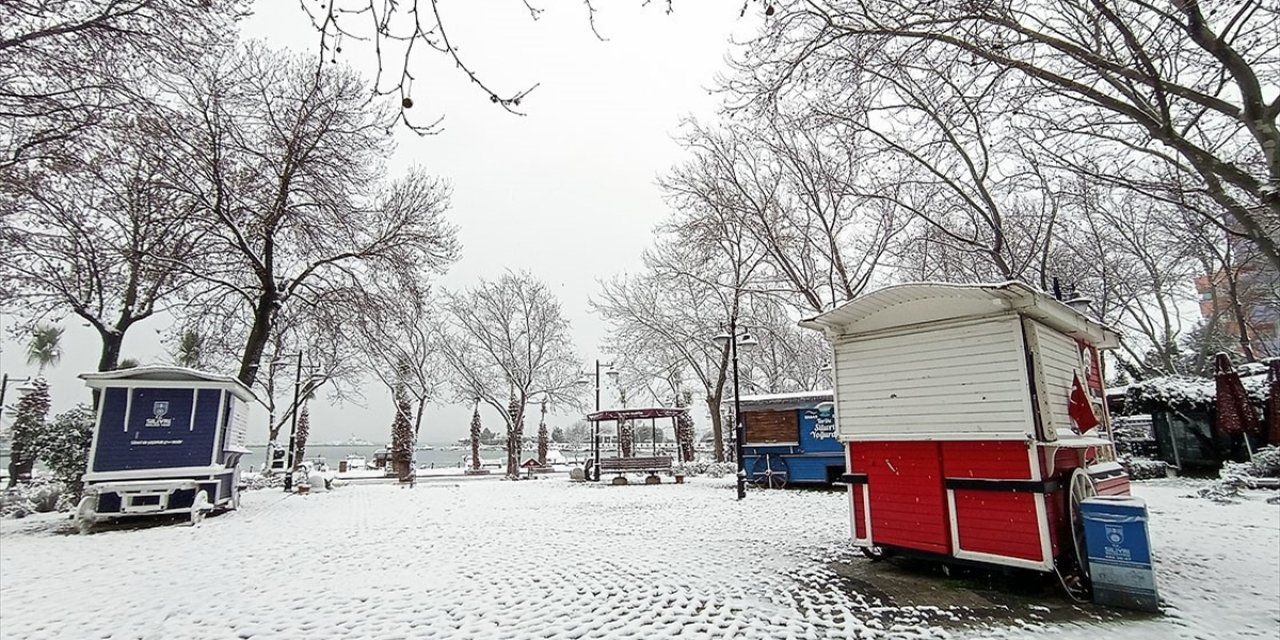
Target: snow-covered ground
(551, 559)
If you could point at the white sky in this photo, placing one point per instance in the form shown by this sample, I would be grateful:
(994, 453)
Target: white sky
(567, 192)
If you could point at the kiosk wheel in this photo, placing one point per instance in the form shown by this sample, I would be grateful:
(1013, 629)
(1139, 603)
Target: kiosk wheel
(874, 553)
(199, 507)
(769, 471)
(87, 514)
(1080, 488)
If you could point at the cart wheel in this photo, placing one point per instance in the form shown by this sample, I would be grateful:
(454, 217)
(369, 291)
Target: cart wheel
(769, 471)
(235, 499)
(87, 514)
(199, 507)
(1081, 487)
(874, 553)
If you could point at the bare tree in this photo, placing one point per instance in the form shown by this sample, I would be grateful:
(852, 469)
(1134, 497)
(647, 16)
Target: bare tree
(1178, 86)
(508, 344)
(285, 164)
(788, 358)
(687, 294)
(399, 333)
(66, 65)
(785, 190)
(105, 238)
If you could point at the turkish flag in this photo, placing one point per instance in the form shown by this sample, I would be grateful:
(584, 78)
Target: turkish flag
(1079, 407)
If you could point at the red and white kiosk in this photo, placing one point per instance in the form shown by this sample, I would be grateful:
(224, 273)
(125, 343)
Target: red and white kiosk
(974, 422)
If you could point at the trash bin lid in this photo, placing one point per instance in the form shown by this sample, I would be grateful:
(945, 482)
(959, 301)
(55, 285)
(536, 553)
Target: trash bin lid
(1119, 505)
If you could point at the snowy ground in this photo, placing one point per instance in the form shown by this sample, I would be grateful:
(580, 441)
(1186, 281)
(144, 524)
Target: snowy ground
(550, 559)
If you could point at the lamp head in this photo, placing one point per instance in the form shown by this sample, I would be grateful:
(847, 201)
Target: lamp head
(746, 340)
(722, 338)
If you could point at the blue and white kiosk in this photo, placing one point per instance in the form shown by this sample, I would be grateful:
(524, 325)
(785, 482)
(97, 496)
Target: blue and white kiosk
(167, 440)
(791, 439)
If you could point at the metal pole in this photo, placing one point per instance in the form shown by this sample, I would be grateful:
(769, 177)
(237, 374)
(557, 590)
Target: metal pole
(738, 430)
(595, 445)
(293, 427)
(4, 385)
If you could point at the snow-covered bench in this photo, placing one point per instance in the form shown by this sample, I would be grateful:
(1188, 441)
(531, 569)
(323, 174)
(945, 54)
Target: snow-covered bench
(650, 465)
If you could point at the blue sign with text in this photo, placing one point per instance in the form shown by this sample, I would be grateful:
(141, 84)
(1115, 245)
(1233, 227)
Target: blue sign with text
(1120, 568)
(818, 431)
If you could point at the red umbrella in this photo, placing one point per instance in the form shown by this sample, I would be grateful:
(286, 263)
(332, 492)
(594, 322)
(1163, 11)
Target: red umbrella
(1233, 412)
(1273, 403)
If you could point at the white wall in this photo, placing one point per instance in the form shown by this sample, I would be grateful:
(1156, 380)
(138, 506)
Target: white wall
(951, 381)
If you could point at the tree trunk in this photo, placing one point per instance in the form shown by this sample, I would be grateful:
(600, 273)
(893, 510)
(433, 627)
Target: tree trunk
(19, 470)
(110, 357)
(417, 421)
(259, 333)
(1237, 311)
(717, 434)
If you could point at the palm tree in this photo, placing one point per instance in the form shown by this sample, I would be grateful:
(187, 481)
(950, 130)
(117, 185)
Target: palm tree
(189, 352)
(43, 349)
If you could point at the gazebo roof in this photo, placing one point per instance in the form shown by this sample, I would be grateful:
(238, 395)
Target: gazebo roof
(635, 414)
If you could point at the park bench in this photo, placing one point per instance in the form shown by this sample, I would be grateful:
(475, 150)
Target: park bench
(650, 465)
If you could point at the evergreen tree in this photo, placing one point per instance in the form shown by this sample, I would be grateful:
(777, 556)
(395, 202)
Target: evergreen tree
(300, 438)
(542, 437)
(626, 438)
(684, 427)
(476, 437)
(488, 437)
(402, 438)
(557, 435)
(28, 429)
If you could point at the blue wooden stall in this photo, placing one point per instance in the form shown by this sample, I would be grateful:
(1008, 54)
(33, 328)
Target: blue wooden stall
(791, 439)
(167, 440)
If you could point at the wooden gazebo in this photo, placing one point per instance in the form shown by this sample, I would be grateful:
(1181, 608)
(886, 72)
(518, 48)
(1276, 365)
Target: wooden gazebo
(649, 464)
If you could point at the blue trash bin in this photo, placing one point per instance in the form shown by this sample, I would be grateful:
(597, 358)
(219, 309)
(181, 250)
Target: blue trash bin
(1120, 568)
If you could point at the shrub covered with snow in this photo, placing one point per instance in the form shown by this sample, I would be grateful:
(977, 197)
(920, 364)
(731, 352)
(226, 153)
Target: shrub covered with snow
(705, 467)
(64, 448)
(1186, 393)
(41, 495)
(253, 481)
(1236, 476)
(1143, 468)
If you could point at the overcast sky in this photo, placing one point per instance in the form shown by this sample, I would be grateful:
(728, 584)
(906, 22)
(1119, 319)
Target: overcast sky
(567, 192)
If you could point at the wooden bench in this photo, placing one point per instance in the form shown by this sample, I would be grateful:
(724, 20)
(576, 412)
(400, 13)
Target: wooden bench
(650, 465)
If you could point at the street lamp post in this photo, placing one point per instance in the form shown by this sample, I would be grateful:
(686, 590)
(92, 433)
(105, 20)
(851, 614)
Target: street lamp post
(595, 428)
(290, 463)
(736, 340)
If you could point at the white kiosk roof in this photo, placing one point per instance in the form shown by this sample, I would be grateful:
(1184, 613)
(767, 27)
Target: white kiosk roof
(919, 303)
(162, 376)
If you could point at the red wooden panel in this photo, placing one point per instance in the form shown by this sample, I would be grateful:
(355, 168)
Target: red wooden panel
(858, 513)
(998, 522)
(1059, 527)
(908, 502)
(996, 460)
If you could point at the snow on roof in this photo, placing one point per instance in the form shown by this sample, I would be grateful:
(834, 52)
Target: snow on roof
(636, 414)
(795, 397)
(919, 303)
(159, 373)
(1186, 393)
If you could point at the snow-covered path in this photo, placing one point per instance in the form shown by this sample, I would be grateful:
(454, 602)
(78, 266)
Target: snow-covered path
(549, 559)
